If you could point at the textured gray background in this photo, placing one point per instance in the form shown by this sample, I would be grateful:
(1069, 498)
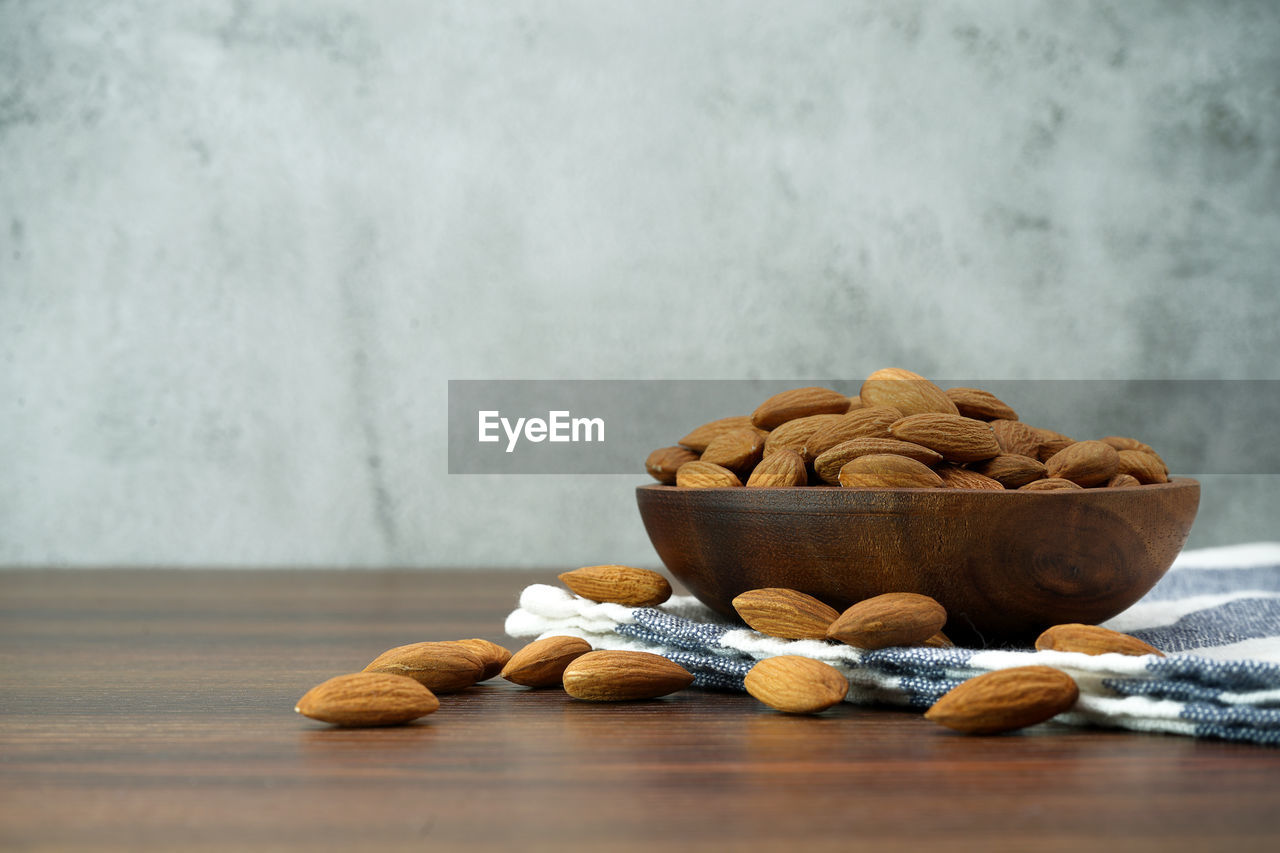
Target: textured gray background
(244, 245)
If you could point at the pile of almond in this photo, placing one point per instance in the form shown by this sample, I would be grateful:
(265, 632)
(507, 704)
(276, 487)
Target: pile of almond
(402, 684)
(900, 431)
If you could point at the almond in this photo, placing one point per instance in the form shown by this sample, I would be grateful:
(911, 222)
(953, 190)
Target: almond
(798, 403)
(796, 685)
(1120, 481)
(542, 662)
(618, 584)
(614, 676)
(827, 466)
(962, 478)
(441, 667)
(887, 471)
(1051, 442)
(705, 475)
(785, 613)
(909, 393)
(1050, 485)
(698, 440)
(738, 450)
(493, 656)
(892, 619)
(1017, 437)
(1092, 640)
(855, 402)
(1086, 463)
(957, 438)
(939, 641)
(1012, 470)
(1142, 466)
(981, 405)
(793, 434)
(868, 422)
(1120, 442)
(367, 699)
(782, 469)
(663, 462)
(1004, 700)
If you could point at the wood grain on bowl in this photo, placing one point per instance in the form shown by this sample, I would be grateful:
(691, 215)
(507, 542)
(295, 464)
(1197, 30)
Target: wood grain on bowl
(1005, 564)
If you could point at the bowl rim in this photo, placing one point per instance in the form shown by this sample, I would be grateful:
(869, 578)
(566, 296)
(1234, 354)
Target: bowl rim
(1173, 483)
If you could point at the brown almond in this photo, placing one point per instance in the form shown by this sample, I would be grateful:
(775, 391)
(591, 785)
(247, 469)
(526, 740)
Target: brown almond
(867, 422)
(892, 619)
(1012, 470)
(367, 699)
(827, 466)
(1092, 640)
(1086, 463)
(963, 478)
(980, 405)
(1050, 485)
(783, 469)
(785, 613)
(855, 402)
(796, 685)
(663, 463)
(1122, 481)
(1051, 442)
(620, 676)
(738, 450)
(1005, 700)
(705, 475)
(887, 471)
(1142, 466)
(909, 393)
(441, 667)
(618, 584)
(1120, 442)
(1017, 437)
(793, 434)
(493, 656)
(939, 641)
(542, 662)
(698, 440)
(798, 403)
(957, 438)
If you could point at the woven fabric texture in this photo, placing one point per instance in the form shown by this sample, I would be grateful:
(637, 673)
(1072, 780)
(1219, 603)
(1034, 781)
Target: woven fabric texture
(1216, 615)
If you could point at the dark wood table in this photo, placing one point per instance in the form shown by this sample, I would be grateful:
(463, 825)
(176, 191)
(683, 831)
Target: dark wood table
(154, 710)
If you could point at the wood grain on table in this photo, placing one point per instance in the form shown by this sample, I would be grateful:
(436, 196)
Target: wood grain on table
(153, 709)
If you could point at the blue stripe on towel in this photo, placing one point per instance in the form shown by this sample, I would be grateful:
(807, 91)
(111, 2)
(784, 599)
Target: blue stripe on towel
(1185, 583)
(1234, 675)
(1233, 622)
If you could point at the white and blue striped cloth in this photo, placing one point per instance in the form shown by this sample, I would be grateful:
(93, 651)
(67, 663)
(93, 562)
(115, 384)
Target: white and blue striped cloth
(1216, 615)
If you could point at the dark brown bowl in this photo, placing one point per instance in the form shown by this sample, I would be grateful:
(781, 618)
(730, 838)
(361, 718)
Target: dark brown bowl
(1005, 564)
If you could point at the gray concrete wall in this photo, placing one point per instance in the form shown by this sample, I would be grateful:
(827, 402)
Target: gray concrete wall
(244, 245)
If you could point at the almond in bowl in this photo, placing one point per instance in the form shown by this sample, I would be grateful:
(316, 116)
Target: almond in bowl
(1012, 528)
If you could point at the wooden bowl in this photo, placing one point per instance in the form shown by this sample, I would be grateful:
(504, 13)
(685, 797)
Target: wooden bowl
(1005, 564)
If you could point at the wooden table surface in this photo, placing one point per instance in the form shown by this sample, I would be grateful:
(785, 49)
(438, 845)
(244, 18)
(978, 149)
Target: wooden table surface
(154, 710)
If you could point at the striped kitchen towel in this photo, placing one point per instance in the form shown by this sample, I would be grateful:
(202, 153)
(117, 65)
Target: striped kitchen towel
(1216, 615)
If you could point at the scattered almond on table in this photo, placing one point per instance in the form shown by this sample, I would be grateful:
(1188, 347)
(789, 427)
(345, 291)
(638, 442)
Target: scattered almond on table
(1005, 700)
(619, 676)
(401, 684)
(796, 685)
(959, 438)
